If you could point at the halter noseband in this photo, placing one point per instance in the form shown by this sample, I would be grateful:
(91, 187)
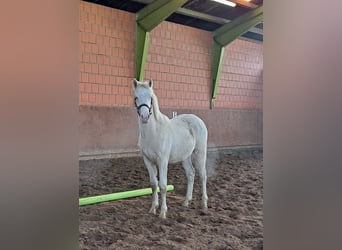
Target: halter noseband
(143, 105)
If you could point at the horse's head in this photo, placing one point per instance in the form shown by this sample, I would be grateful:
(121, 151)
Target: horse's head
(143, 94)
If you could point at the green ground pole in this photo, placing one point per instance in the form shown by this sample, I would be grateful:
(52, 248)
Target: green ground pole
(118, 196)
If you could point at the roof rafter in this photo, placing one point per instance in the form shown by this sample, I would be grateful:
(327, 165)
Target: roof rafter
(230, 31)
(156, 12)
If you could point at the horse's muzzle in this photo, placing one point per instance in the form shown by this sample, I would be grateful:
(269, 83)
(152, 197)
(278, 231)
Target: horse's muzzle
(145, 119)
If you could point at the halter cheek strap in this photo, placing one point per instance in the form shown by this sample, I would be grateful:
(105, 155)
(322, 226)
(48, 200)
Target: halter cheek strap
(144, 105)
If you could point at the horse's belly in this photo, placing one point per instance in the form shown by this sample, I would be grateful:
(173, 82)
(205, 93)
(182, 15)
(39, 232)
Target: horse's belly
(182, 148)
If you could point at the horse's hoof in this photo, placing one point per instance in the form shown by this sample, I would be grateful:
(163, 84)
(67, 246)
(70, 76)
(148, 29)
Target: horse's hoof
(152, 211)
(204, 211)
(186, 203)
(162, 215)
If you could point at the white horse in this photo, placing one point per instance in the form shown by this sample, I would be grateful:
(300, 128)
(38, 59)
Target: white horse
(161, 140)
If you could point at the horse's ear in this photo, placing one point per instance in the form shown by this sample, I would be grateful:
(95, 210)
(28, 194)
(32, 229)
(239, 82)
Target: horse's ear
(135, 83)
(150, 83)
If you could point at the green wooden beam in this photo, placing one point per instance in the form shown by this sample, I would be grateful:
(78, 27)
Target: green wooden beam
(142, 39)
(218, 52)
(232, 30)
(156, 12)
(226, 34)
(203, 16)
(147, 19)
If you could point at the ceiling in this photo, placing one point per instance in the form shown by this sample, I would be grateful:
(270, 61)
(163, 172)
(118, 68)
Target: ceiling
(202, 14)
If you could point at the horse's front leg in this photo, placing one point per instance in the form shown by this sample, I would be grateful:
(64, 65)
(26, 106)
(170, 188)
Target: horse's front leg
(163, 164)
(152, 171)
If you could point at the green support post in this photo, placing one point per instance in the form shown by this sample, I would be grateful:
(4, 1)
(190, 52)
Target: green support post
(142, 37)
(218, 52)
(147, 19)
(225, 35)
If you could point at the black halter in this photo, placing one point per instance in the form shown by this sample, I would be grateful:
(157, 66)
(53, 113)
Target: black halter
(143, 105)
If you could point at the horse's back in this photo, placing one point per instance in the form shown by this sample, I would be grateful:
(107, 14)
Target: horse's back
(195, 124)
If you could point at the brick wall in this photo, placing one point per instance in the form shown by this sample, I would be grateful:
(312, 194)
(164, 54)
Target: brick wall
(107, 43)
(178, 60)
(241, 76)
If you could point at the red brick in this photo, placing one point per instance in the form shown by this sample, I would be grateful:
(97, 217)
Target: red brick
(87, 67)
(121, 72)
(105, 99)
(119, 99)
(114, 90)
(92, 38)
(108, 69)
(99, 18)
(105, 79)
(114, 71)
(121, 90)
(92, 98)
(84, 77)
(84, 97)
(95, 49)
(112, 99)
(87, 27)
(92, 78)
(102, 51)
(87, 87)
(108, 89)
(102, 30)
(87, 48)
(95, 68)
(99, 79)
(102, 89)
(99, 98)
(94, 88)
(106, 60)
(102, 69)
(112, 80)
(83, 16)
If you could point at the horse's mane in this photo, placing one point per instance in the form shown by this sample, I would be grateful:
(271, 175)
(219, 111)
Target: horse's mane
(159, 116)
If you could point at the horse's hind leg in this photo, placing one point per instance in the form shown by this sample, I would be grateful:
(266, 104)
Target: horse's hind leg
(152, 171)
(199, 160)
(190, 175)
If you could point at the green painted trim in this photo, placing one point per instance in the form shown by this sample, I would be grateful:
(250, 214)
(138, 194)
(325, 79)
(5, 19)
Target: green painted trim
(232, 30)
(216, 65)
(142, 41)
(156, 12)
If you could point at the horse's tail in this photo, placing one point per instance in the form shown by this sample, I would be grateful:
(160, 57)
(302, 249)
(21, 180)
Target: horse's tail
(200, 132)
(201, 138)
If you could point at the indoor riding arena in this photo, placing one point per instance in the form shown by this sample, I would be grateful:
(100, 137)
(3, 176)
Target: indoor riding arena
(205, 59)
